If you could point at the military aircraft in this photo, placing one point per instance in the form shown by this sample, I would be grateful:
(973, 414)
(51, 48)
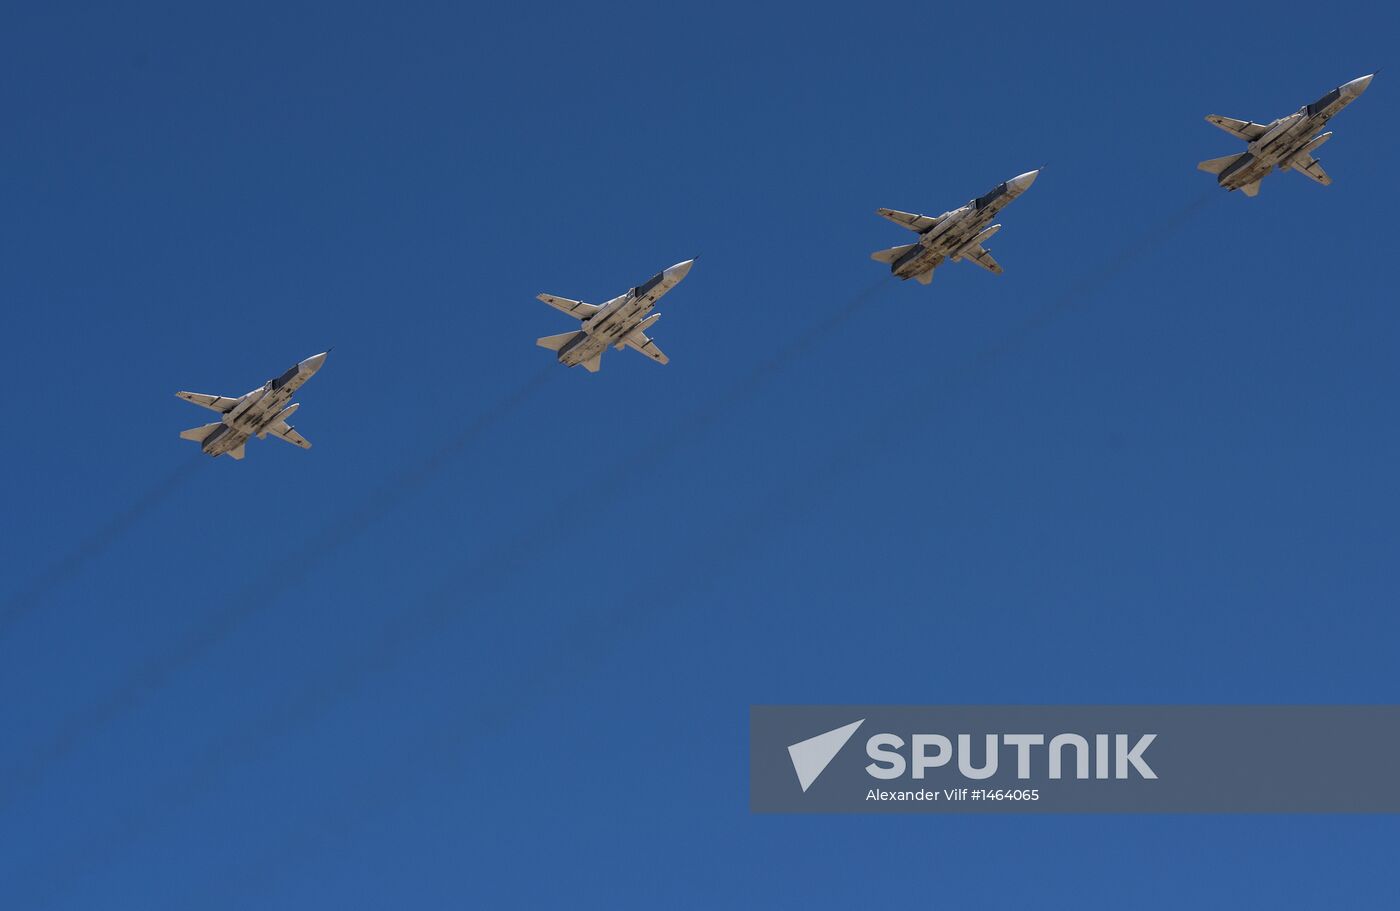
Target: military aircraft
(1286, 143)
(621, 322)
(262, 411)
(955, 235)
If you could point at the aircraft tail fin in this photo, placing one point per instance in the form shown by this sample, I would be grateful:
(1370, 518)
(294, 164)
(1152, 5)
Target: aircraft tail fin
(1216, 165)
(201, 433)
(892, 254)
(555, 342)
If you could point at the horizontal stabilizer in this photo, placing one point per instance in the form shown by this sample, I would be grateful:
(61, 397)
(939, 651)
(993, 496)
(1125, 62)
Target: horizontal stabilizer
(925, 277)
(200, 434)
(593, 363)
(239, 453)
(1216, 165)
(1251, 189)
(572, 307)
(555, 342)
(892, 254)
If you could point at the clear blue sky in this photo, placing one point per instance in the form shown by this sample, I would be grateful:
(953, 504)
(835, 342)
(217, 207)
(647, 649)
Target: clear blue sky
(527, 681)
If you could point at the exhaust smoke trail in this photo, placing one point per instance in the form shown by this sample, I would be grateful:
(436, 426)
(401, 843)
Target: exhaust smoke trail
(20, 605)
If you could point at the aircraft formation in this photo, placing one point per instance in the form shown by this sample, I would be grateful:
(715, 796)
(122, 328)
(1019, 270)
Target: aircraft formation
(957, 235)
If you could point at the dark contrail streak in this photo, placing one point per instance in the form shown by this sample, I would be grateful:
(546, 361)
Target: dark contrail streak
(20, 605)
(255, 598)
(409, 626)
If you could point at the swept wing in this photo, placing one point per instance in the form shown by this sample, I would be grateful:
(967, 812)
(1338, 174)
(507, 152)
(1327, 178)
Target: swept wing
(919, 223)
(284, 431)
(1240, 129)
(220, 403)
(576, 309)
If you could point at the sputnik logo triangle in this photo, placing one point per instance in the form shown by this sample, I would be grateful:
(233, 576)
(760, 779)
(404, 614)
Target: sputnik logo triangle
(810, 757)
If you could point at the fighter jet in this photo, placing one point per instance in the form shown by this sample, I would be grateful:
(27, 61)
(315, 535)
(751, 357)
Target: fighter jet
(955, 235)
(621, 322)
(264, 410)
(1286, 143)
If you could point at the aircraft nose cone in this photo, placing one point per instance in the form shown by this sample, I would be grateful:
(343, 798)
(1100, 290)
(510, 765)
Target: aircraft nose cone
(679, 271)
(1022, 182)
(314, 362)
(1357, 86)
